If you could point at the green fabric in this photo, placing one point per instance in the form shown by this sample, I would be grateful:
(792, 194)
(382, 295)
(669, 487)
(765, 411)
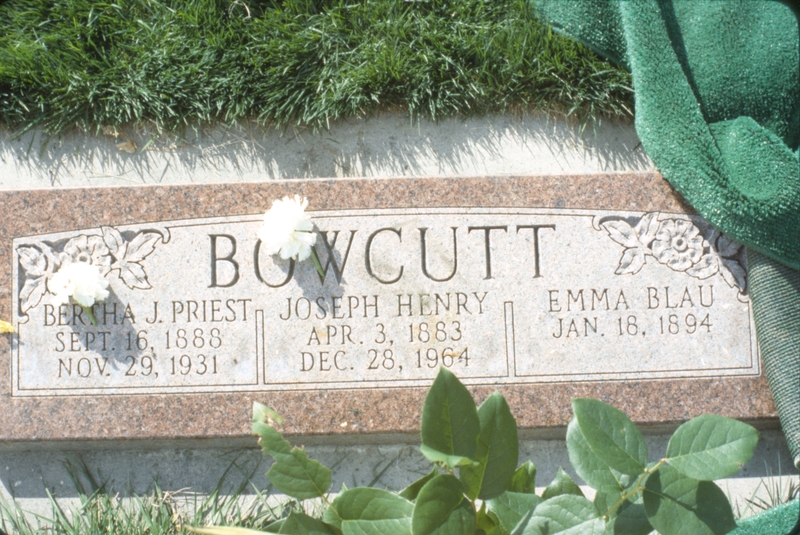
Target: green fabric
(774, 291)
(776, 521)
(717, 90)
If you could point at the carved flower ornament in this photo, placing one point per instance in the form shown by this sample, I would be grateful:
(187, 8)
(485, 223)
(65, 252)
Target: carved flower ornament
(680, 245)
(90, 250)
(47, 266)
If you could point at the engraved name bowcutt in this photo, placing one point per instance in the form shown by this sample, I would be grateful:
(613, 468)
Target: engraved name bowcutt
(497, 295)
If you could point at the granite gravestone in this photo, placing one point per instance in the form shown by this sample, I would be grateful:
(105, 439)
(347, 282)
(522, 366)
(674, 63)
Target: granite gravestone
(544, 287)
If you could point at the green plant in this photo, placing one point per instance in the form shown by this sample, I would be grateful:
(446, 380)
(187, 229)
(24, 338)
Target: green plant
(476, 487)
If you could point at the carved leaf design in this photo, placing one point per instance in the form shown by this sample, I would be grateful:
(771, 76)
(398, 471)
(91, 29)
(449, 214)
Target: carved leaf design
(647, 227)
(114, 241)
(32, 259)
(141, 246)
(631, 262)
(133, 275)
(32, 292)
(622, 233)
(727, 247)
(733, 273)
(707, 266)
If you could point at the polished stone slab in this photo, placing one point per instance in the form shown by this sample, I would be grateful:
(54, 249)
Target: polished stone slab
(498, 296)
(544, 287)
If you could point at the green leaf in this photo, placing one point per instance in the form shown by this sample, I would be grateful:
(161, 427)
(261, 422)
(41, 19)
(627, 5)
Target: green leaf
(370, 511)
(302, 524)
(566, 514)
(628, 519)
(520, 528)
(331, 517)
(262, 413)
(275, 527)
(484, 518)
(679, 505)
(524, 479)
(611, 435)
(511, 507)
(561, 484)
(442, 509)
(711, 447)
(631, 519)
(486, 521)
(589, 465)
(450, 461)
(292, 473)
(410, 492)
(449, 417)
(497, 453)
(604, 500)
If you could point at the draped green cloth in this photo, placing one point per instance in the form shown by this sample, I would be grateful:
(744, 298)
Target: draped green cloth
(717, 89)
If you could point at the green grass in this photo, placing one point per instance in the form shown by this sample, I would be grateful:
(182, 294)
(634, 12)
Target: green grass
(171, 63)
(771, 492)
(157, 513)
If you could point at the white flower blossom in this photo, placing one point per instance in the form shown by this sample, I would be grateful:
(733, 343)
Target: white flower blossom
(83, 282)
(288, 229)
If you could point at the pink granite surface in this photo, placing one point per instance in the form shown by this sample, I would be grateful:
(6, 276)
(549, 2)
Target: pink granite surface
(324, 412)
